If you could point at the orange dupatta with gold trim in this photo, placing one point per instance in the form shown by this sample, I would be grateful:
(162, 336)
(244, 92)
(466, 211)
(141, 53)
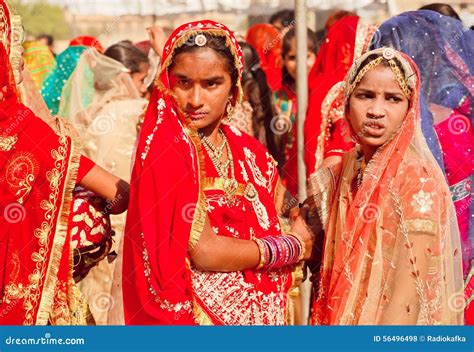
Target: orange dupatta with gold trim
(392, 250)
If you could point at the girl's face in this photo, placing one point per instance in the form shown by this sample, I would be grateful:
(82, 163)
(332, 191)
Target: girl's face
(138, 78)
(202, 84)
(289, 60)
(377, 107)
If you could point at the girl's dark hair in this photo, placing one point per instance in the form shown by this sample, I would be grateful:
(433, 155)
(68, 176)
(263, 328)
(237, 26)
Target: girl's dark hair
(125, 53)
(443, 9)
(255, 85)
(286, 17)
(219, 45)
(286, 47)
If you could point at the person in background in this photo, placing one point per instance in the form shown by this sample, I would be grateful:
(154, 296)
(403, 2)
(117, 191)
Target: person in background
(444, 9)
(107, 127)
(39, 60)
(266, 40)
(326, 134)
(65, 64)
(283, 20)
(284, 125)
(48, 40)
(254, 115)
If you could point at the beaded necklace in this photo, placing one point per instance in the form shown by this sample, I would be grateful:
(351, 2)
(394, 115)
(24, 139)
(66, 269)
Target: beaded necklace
(223, 168)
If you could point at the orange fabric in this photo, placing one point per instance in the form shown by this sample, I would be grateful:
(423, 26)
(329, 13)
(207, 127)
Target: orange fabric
(392, 250)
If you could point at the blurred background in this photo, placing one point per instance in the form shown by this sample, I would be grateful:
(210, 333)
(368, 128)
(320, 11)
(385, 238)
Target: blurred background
(114, 20)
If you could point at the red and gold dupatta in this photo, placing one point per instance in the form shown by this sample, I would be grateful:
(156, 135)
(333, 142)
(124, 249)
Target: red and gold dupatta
(172, 189)
(38, 168)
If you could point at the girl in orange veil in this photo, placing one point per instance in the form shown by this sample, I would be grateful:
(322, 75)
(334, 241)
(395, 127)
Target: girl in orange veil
(392, 251)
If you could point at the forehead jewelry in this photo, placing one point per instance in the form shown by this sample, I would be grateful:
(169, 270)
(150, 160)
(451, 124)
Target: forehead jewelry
(200, 40)
(388, 53)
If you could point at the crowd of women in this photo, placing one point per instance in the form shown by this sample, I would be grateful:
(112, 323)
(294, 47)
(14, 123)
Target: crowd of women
(157, 182)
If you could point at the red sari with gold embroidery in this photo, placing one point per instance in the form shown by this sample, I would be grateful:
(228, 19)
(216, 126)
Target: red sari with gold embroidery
(174, 187)
(38, 169)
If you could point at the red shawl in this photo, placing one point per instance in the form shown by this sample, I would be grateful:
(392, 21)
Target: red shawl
(37, 174)
(332, 63)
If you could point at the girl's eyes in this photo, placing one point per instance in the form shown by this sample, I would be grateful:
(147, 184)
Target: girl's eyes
(364, 96)
(183, 82)
(394, 99)
(371, 96)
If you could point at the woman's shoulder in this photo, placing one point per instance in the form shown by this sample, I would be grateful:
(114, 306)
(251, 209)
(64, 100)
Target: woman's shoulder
(416, 165)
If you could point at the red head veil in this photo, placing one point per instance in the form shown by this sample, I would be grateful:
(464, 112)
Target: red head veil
(266, 39)
(167, 211)
(345, 41)
(86, 40)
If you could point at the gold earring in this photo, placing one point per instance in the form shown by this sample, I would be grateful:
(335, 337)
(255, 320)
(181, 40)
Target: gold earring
(230, 112)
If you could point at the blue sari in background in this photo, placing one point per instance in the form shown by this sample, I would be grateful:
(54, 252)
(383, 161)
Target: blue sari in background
(53, 85)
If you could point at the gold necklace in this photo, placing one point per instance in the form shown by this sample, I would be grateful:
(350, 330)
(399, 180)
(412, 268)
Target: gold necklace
(222, 168)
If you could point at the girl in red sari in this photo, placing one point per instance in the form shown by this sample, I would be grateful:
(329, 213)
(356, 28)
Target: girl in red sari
(40, 164)
(203, 240)
(392, 252)
(326, 132)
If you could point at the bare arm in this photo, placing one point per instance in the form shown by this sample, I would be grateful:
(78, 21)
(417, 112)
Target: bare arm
(220, 253)
(113, 189)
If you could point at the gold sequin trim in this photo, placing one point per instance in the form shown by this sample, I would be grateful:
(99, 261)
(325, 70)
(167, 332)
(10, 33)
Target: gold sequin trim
(421, 225)
(7, 143)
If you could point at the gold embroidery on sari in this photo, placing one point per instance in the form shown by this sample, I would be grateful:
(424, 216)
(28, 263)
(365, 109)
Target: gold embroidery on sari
(237, 302)
(20, 174)
(7, 143)
(260, 180)
(421, 225)
(422, 202)
(251, 195)
(218, 183)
